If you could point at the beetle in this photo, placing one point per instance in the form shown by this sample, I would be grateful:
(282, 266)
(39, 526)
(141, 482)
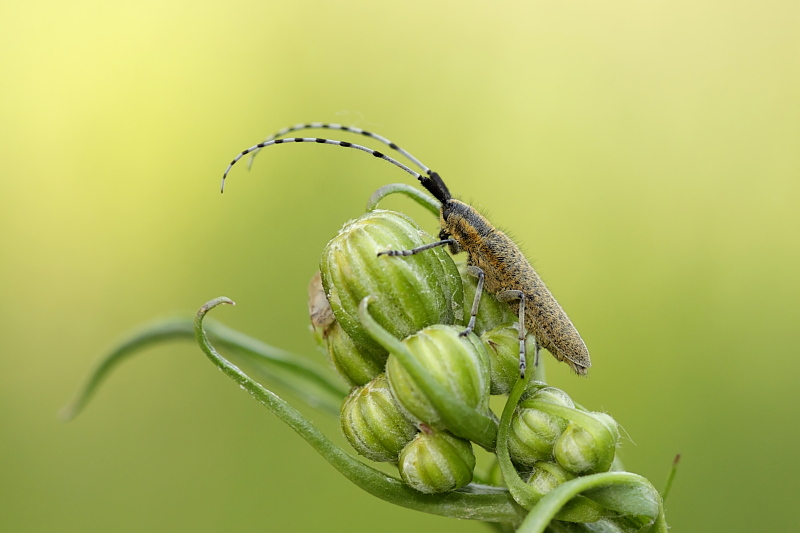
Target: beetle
(492, 256)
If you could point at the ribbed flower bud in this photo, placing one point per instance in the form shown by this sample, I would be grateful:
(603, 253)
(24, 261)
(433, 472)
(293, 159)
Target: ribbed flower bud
(415, 291)
(546, 476)
(356, 364)
(588, 448)
(459, 367)
(533, 433)
(502, 345)
(373, 423)
(436, 461)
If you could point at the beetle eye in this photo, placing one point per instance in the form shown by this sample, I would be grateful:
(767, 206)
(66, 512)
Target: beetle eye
(447, 210)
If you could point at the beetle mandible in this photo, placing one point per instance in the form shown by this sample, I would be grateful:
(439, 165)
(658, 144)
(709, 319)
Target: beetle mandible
(492, 257)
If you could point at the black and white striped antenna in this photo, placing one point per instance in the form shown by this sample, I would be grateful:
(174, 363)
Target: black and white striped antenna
(343, 144)
(430, 180)
(333, 126)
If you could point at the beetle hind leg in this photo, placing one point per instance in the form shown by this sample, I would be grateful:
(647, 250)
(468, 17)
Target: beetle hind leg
(509, 296)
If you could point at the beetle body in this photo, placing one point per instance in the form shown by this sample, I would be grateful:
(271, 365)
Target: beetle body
(493, 257)
(506, 269)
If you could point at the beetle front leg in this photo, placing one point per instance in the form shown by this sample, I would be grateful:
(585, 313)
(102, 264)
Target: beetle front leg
(417, 250)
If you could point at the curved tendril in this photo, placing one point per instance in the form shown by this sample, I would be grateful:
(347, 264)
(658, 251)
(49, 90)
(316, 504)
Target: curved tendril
(477, 502)
(425, 200)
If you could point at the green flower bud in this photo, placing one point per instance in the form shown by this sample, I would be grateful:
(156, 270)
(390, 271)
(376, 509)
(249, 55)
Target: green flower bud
(491, 311)
(415, 291)
(459, 366)
(538, 391)
(588, 448)
(533, 433)
(356, 364)
(546, 476)
(436, 461)
(373, 423)
(502, 345)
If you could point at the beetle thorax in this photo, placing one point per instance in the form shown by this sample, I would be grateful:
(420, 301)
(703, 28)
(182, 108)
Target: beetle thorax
(464, 224)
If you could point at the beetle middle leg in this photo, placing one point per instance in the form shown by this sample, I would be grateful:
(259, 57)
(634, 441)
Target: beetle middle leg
(474, 271)
(509, 296)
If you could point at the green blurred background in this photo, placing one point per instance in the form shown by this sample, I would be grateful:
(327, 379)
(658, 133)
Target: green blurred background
(645, 154)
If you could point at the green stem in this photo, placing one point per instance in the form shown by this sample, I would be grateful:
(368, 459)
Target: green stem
(522, 492)
(477, 502)
(670, 478)
(426, 201)
(315, 385)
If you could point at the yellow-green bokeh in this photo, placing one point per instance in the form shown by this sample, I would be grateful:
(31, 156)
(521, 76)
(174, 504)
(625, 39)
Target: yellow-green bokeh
(645, 154)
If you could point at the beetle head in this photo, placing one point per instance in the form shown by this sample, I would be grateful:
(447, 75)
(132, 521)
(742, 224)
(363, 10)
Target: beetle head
(435, 185)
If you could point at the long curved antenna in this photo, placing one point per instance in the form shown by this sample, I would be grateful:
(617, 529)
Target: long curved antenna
(343, 144)
(332, 126)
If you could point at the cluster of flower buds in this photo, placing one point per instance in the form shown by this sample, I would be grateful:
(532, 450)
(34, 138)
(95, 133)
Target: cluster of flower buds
(557, 441)
(392, 327)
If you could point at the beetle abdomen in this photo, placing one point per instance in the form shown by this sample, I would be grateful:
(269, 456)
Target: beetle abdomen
(506, 268)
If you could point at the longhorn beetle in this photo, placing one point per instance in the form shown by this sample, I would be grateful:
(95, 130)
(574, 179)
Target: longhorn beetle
(493, 257)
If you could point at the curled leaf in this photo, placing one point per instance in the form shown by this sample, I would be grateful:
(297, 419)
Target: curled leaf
(310, 382)
(628, 495)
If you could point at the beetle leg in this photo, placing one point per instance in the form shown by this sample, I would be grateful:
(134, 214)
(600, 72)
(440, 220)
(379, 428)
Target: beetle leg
(415, 251)
(508, 296)
(472, 270)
